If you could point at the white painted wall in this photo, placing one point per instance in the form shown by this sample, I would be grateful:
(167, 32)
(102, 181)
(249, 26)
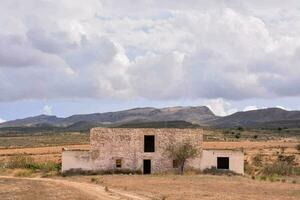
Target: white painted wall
(236, 159)
(76, 160)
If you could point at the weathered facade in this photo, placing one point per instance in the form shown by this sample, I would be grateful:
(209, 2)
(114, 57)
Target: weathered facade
(144, 150)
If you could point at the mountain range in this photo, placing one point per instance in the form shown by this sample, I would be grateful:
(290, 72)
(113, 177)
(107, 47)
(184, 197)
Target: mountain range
(199, 115)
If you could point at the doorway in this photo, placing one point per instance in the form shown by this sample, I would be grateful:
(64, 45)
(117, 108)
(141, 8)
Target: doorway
(147, 167)
(223, 162)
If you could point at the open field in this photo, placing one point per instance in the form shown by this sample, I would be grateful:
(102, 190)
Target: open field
(267, 148)
(155, 187)
(49, 147)
(54, 189)
(41, 140)
(192, 187)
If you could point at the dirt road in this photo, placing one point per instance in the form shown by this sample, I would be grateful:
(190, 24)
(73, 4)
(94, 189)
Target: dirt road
(52, 189)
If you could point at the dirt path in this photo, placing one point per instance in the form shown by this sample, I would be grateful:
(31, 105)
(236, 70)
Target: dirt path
(52, 189)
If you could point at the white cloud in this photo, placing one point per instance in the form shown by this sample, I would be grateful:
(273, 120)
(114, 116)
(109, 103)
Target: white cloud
(281, 107)
(154, 50)
(47, 110)
(221, 107)
(248, 108)
(2, 120)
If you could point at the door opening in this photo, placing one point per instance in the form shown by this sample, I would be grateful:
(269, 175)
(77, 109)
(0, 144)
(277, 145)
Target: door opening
(223, 163)
(147, 167)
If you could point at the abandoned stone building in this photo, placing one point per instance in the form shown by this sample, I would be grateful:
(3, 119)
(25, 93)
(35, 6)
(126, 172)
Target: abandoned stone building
(144, 150)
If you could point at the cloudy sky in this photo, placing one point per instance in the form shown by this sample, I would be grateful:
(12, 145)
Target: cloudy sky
(65, 57)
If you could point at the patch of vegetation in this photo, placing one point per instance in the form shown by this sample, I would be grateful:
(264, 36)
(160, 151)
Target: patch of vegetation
(215, 171)
(257, 160)
(298, 147)
(160, 124)
(14, 140)
(24, 173)
(283, 166)
(27, 162)
(79, 171)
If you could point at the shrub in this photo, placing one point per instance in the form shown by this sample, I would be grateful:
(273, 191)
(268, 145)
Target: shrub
(257, 160)
(237, 135)
(80, 171)
(215, 171)
(20, 161)
(240, 128)
(298, 147)
(23, 173)
(27, 162)
(263, 178)
(280, 168)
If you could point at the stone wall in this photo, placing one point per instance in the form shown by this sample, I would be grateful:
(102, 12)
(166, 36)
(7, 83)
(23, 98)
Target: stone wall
(110, 144)
(107, 145)
(75, 159)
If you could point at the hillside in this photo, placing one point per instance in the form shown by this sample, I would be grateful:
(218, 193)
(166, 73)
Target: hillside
(154, 117)
(270, 117)
(199, 115)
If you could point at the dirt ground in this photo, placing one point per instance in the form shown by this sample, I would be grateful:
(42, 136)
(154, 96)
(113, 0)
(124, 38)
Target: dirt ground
(55, 189)
(204, 187)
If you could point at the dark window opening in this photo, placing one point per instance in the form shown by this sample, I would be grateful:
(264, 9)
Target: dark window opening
(223, 163)
(147, 167)
(118, 163)
(175, 164)
(149, 143)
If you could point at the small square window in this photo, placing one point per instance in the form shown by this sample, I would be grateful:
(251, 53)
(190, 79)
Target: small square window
(175, 164)
(118, 163)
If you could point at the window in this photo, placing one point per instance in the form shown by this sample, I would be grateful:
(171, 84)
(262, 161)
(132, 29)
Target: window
(223, 162)
(118, 163)
(175, 164)
(149, 143)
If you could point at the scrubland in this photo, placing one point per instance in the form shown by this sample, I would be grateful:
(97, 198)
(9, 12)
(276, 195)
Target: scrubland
(271, 165)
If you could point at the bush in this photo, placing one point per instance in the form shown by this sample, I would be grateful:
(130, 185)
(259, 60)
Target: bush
(298, 147)
(257, 160)
(23, 173)
(280, 168)
(20, 161)
(27, 162)
(283, 166)
(237, 135)
(215, 171)
(240, 128)
(79, 171)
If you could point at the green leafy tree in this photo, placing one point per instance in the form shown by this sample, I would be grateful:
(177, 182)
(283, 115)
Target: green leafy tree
(181, 152)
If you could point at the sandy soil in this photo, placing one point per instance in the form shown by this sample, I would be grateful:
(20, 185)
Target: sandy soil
(53, 189)
(204, 187)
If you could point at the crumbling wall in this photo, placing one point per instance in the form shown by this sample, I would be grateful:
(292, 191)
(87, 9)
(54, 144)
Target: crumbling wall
(75, 159)
(107, 145)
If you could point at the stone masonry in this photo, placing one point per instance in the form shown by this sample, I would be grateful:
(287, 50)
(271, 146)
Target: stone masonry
(108, 145)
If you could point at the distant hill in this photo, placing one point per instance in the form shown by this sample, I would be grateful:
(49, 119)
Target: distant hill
(270, 117)
(166, 124)
(154, 117)
(199, 115)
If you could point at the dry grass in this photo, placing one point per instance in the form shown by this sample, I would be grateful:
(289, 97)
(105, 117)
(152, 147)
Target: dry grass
(204, 187)
(35, 189)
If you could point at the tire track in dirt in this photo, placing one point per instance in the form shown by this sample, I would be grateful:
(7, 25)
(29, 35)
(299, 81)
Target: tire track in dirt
(91, 190)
